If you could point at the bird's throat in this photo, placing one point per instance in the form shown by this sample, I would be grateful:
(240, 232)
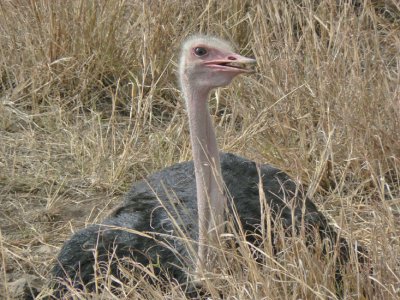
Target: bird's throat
(209, 183)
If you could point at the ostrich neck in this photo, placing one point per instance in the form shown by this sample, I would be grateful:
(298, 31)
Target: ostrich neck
(210, 197)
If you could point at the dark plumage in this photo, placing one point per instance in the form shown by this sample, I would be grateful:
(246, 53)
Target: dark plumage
(142, 212)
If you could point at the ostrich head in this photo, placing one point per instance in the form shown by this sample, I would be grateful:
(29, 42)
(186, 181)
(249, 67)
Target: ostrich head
(208, 62)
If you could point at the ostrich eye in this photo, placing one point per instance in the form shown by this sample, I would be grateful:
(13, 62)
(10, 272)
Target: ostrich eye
(200, 51)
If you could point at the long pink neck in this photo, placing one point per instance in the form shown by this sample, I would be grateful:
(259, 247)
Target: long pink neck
(209, 184)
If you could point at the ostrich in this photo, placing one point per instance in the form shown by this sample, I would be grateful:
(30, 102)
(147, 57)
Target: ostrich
(192, 197)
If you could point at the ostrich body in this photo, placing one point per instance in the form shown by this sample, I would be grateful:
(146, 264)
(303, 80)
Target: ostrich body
(189, 197)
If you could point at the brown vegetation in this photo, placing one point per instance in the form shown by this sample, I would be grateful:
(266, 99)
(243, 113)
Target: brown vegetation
(89, 103)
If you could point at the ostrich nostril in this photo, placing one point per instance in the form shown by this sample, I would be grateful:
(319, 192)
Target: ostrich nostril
(232, 58)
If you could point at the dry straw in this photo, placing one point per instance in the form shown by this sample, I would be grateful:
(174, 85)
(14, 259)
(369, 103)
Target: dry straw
(89, 103)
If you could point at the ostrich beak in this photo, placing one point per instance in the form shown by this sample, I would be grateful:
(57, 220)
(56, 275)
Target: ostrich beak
(234, 63)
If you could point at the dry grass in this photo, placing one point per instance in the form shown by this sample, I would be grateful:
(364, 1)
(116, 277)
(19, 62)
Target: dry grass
(89, 103)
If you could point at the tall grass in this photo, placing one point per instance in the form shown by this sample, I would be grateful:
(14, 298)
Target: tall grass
(89, 103)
